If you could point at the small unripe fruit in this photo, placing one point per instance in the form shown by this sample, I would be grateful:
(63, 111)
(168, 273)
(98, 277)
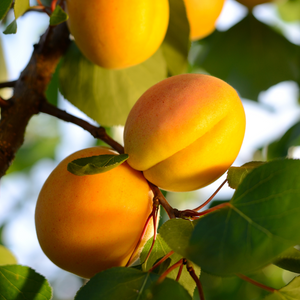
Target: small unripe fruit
(116, 34)
(202, 16)
(185, 131)
(86, 224)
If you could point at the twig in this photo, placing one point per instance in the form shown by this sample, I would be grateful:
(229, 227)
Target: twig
(172, 212)
(196, 279)
(169, 270)
(96, 132)
(161, 261)
(8, 84)
(262, 286)
(211, 197)
(5, 103)
(184, 262)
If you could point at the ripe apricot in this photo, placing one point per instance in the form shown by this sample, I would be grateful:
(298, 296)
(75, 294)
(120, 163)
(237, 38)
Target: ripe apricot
(117, 34)
(251, 3)
(86, 224)
(202, 16)
(185, 131)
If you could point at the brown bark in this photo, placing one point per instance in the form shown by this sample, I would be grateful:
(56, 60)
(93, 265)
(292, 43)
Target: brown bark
(29, 92)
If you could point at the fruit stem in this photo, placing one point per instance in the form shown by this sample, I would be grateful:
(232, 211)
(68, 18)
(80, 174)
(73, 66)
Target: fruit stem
(262, 286)
(211, 197)
(161, 261)
(169, 270)
(172, 213)
(184, 262)
(191, 271)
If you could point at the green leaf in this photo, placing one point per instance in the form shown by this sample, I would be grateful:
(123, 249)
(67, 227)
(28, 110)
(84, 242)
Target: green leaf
(11, 28)
(129, 283)
(176, 44)
(96, 164)
(20, 7)
(19, 282)
(289, 260)
(107, 95)
(280, 148)
(289, 10)
(52, 89)
(236, 175)
(58, 16)
(259, 223)
(4, 7)
(254, 57)
(5, 93)
(177, 233)
(159, 250)
(6, 257)
(289, 292)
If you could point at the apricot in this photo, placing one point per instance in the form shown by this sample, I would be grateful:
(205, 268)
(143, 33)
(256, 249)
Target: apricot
(251, 3)
(202, 16)
(185, 131)
(86, 224)
(117, 34)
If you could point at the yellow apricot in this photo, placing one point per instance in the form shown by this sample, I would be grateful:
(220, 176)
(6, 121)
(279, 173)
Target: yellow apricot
(117, 34)
(251, 3)
(86, 224)
(185, 131)
(202, 16)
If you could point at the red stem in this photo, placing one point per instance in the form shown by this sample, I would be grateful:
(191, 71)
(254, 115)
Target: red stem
(168, 271)
(197, 281)
(180, 271)
(262, 286)
(161, 261)
(53, 5)
(211, 197)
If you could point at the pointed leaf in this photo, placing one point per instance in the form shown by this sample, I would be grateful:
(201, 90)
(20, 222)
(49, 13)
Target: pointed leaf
(11, 28)
(19, 282)
(289, 260)
(96, 164)
(159, 250)
(260, 222)
(176, 44)
(236, 175)
(6, 257)
(289, 292)
(107, 95)
(4, 7)
(254, 57)
(20, 7)
(128, 283)
(58, 16)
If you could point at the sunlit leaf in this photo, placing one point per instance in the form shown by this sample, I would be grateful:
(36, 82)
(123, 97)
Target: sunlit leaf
(289, 260)
(6, 257)
(20, 7)
(19, 282)
(58, 16)
(289, 292)
(159, 250)
(235, 175)
(289, 10)
(176, 44)
(107, 95)
(250, 56)
(248, 233)
(96, 164)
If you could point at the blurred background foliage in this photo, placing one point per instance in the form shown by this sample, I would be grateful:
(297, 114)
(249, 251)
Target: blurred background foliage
(251, 52)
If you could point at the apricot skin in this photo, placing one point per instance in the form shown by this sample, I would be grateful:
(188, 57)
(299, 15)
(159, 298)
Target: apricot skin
(185, 131)
(202, 16)
(86, 224)
(117, 34)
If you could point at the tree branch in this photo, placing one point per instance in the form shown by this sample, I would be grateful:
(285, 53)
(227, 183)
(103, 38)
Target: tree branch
(96, 132)
(29, 91)
(8, 84)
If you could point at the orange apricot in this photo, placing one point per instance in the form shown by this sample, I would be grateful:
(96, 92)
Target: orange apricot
(117, 34)
(86, 224)
(185, 131)
(202, 16)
